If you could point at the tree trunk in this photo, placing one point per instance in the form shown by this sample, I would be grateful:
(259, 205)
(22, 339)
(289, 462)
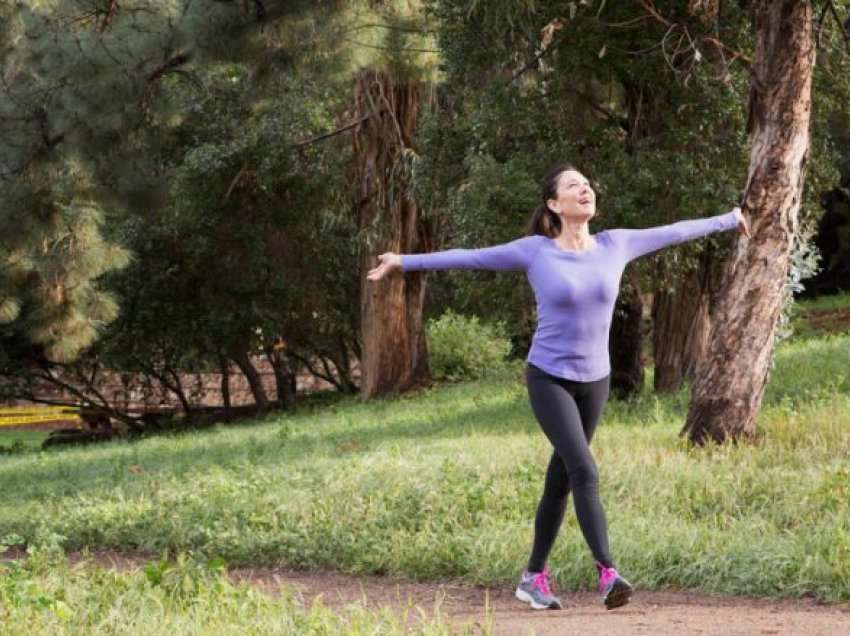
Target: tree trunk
(729, 388)
(342, 363)
(283, 376)
(255, 382)
(626, 339)
(394, 356)
(224, 367)
(625, 343)
(681, 320)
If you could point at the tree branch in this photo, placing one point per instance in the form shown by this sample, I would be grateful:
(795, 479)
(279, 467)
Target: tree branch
(168, 65)
(536, 59)
(386, 48)
(315, 372)
(235, 181)
(819, 29)
(602, 110)
(338, 131)
(652, 12)
(108, 14)
(650, 9)
(839, 23)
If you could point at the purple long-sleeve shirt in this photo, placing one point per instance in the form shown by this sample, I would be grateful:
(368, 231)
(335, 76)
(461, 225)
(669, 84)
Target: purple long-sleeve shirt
(575, 291)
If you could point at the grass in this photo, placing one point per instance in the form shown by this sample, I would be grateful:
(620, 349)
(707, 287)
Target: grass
(812, 318)
(443, 484)
(44, 594)
(16, 440)
(825, 303)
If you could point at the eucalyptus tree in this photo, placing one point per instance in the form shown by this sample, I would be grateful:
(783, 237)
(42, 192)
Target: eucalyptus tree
(730, 384)
(389, 94)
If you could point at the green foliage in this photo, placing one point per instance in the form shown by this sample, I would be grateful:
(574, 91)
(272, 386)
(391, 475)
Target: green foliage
(805, 261)
(186, 122)
(78, 81)
(21, 441)
(658, 147)
(463, 348)
(662, 136)
(141, 106)
(53, 257)
(17, 446)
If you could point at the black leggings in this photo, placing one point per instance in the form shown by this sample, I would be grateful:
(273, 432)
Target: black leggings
(568, 412)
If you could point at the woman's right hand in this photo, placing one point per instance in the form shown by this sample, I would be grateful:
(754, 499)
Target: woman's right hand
(743, 225)
(389, 263)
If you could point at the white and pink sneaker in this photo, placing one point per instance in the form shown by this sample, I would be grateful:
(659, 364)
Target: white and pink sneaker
(535, 588)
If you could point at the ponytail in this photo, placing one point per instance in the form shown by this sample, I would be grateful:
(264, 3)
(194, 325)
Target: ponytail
(544, 221)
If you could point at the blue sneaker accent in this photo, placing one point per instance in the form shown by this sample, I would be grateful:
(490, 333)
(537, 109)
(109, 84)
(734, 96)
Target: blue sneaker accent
(535, 588)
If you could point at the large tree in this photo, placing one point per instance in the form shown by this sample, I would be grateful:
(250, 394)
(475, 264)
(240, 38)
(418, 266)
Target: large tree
(394, 349)
(731, 380)
(388, 97)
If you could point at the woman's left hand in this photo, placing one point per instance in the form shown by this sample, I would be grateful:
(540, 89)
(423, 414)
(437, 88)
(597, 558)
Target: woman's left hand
(743, 226)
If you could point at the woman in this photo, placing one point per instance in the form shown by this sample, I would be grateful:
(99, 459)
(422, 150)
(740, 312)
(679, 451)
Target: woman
(575, 276)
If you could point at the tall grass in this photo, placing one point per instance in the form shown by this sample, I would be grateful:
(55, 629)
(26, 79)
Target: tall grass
(444, 484)
(45, 595)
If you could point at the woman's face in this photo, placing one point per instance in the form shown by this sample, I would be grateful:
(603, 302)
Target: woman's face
(576, 199)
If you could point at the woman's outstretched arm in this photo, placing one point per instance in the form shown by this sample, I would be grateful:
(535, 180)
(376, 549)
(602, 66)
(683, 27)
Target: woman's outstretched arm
(513, 256)
(636, 243)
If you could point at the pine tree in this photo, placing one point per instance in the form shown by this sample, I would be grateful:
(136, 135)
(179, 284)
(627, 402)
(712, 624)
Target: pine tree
(78, 81)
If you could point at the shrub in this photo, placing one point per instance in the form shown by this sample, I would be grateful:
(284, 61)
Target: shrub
(462, 348)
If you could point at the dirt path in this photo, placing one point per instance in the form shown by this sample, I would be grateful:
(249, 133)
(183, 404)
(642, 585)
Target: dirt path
(656, 613)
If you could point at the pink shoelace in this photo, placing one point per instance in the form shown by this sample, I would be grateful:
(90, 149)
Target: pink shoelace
(541, 581)
(606, 576)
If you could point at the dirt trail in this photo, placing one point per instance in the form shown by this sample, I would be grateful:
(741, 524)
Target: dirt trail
(656, 613)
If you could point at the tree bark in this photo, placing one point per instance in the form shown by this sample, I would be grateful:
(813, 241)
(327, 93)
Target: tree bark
(625, 343)
(176, 385)
(394, 354)
(730, 384)
(224, 367)
(255, 382)
(626, 339)
(681, 322)
(342, 363)
(283, 375)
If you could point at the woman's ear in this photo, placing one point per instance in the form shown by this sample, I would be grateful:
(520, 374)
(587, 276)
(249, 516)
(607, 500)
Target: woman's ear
(552, 205)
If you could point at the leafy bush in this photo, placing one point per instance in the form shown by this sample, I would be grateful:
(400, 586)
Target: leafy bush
(462, 348)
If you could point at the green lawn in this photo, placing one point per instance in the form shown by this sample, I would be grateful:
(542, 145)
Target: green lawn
(445, 483)
(15, 440)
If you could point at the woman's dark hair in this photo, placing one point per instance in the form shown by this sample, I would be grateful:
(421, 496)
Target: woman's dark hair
(544, 221)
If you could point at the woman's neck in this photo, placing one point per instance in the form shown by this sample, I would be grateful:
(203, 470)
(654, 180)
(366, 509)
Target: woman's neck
(575, 236)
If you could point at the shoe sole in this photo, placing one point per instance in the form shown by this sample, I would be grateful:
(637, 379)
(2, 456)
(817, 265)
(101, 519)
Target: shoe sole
(619, 595)
(525, 597)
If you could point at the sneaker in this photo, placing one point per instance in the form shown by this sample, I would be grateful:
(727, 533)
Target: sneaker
(536, 588)
(615, 590)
